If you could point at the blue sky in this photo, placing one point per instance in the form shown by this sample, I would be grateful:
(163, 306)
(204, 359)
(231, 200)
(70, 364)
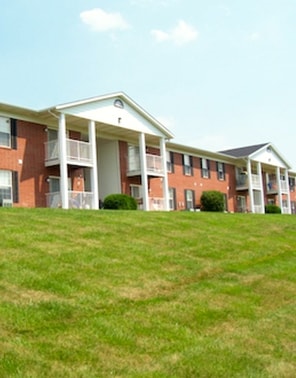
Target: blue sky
(219, 74)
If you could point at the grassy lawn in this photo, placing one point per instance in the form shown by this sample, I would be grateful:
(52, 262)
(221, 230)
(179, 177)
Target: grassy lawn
(134, 294)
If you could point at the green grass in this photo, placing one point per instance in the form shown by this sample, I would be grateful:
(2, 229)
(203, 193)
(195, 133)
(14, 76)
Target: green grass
(134, 294)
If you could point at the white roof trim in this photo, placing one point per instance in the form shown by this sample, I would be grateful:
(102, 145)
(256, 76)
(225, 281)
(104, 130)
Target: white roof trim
(124, 97)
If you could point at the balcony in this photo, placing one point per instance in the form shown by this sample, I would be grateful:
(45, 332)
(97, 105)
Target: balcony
(77, 200)
(156, 204)
(272, 187)
(153, 163)
(258, 209)
(285, 210)
(242, 182)
(78, 153)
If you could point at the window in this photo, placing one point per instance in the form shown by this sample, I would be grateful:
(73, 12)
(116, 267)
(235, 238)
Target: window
(205, 168)
(8, 187)
(118, 103)
(133, 158)
(172, 198)
(187, 165)
(136, 191)
(241, 204)
(170, 161)
(292, 184)
(8, 132)
(220, 171)
(5, 131)
(189, 199)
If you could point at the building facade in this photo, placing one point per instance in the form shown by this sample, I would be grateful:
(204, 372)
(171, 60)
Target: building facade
(74, 155)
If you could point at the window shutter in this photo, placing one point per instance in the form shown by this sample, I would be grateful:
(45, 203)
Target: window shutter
(15, 187)
(13, 130)
(209, 168)
(172, 162)
(217, 168)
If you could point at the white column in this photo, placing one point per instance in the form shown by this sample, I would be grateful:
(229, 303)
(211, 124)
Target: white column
(165, 182)
(63, 162)
(278, 179)
(251, 194)
(144, 171)
(94, 169)
(261, 187)
(288, 193)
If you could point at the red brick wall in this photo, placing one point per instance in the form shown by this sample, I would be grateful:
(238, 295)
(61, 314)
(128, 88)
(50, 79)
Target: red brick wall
(28, 161)
(198, 184)
(181, 182)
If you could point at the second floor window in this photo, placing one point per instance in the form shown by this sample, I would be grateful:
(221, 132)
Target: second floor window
(205, 167)
(220, 171)
(7, 132)
(4, 132)
(170, 161)
(187, 165)
(292, 184)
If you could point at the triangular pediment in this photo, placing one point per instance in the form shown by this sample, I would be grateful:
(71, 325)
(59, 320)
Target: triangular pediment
(269, 155)
(116, 110)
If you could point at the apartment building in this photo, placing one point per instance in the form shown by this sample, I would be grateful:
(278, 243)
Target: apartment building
(74, 155)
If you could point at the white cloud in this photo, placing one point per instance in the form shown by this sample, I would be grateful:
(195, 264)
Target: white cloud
(99, 20)
(183, 33)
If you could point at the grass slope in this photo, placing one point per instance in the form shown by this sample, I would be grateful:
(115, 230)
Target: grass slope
(134, 294)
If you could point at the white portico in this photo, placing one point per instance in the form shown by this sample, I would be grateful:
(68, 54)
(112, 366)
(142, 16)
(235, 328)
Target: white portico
(103, 122)
(262, 173)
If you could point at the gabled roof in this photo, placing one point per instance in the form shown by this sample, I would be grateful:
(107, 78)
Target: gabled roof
(242, 152)
(258, 152)
(117, 95)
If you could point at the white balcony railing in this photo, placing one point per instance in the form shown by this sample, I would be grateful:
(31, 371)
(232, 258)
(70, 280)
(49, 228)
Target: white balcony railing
(156, 203)
(243, 181)
(51, 150)
(256, 181)
(153, 163)
(272, 186)
(284, 186)
(258, 209)
(77, 200)
(77, 151)
(285, 210)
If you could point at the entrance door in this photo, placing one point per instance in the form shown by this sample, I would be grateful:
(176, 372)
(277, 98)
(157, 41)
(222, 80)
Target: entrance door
(241, 204)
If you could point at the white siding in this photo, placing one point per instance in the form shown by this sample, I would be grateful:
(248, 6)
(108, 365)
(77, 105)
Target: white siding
(104, 111)
(108, 168)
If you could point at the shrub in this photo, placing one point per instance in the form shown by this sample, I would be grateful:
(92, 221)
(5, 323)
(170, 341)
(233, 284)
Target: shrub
(212, 200)
(120, 202)
(272, 209)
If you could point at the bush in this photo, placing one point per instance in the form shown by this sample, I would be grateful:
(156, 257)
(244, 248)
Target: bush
(272, 209)
(120, 202)
(212, 200)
